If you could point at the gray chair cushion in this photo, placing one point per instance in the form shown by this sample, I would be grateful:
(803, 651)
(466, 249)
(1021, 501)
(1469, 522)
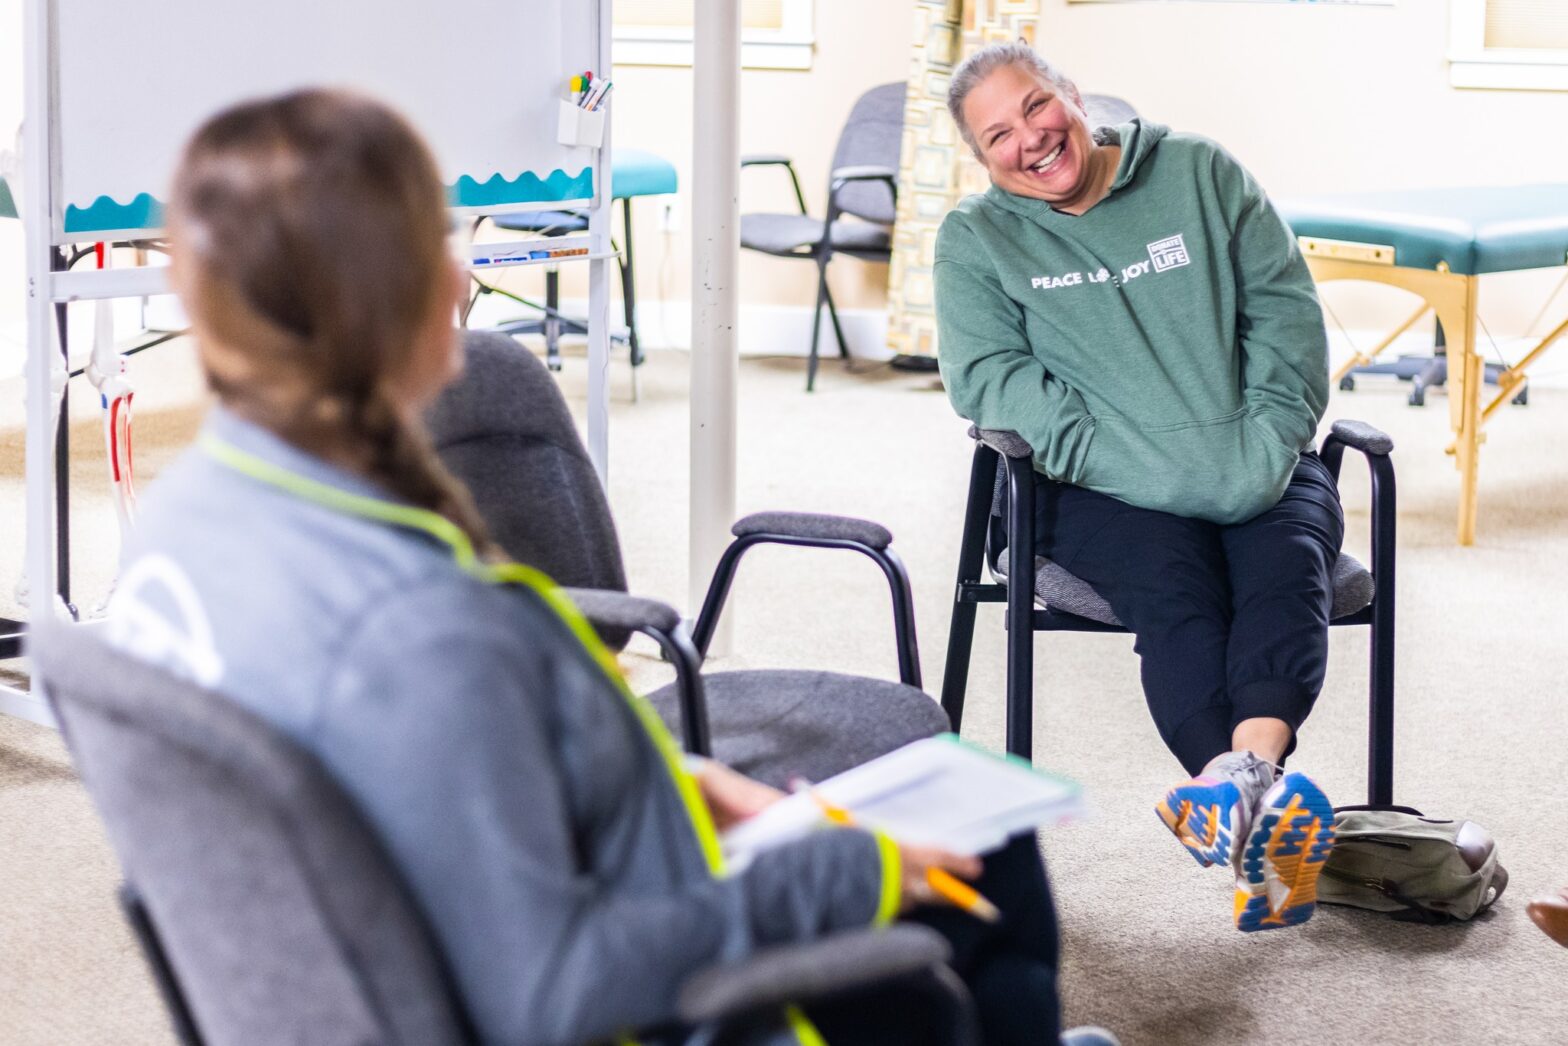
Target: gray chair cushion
(778, 724)
(1056, 589)
(550, 223)
(788, 233)
(280, 913)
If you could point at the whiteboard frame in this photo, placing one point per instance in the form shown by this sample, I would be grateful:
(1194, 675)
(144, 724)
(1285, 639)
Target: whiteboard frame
(40, 169)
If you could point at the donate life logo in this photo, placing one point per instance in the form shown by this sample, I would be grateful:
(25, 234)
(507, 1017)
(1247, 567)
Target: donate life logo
(1169, 253)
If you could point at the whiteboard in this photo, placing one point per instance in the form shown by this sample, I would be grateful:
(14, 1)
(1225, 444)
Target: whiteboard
(479, 78)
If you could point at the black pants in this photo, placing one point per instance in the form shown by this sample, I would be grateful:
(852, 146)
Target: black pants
(1009, 968)
(1231, 621)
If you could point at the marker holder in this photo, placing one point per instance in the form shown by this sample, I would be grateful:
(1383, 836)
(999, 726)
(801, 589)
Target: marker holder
(579, 126)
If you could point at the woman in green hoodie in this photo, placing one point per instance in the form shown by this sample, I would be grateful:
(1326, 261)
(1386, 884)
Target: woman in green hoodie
(1127, 300)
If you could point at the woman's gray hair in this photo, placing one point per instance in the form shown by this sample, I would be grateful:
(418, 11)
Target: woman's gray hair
(982, 64)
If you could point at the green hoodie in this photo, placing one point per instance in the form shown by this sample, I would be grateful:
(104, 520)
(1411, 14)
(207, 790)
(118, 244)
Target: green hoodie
(1166, 347)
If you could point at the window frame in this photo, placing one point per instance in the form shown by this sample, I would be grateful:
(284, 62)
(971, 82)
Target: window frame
(1471, 64)
(792, 46)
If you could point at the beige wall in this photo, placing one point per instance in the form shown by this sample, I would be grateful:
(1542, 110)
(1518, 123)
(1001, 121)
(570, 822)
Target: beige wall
(860, 43)
(1312, 99)
(1325, 99)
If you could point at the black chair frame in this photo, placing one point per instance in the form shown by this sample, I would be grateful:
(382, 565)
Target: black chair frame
(823, 250)
(984, 536)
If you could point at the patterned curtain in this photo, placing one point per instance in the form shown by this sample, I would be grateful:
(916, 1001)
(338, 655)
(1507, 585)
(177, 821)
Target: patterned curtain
(936, 169)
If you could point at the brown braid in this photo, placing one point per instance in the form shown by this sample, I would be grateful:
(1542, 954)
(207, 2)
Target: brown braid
(310, 250)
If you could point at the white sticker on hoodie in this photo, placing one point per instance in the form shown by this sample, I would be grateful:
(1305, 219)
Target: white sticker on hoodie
(156, 616)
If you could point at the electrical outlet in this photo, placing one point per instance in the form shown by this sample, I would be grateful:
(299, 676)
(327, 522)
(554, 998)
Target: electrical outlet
(669, 217)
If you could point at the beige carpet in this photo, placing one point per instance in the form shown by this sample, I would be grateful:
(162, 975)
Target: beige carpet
(1148, 945)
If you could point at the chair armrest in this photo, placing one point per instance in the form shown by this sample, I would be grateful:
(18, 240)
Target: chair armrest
(1368, 439)
(620, 610)
(817, 530)
(801, 973)
(606, 608)
(814, 526)
(777, 160)
(1008, 444)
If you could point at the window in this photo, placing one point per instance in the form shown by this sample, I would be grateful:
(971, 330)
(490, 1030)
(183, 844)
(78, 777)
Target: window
(775, 34)
(1520, 44)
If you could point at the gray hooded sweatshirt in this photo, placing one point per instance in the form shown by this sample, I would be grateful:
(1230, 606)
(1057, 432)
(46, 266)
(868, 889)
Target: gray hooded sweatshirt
(534, 819)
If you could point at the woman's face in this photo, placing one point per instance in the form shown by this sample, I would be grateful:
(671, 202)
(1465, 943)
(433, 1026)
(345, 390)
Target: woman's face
(1033, 135)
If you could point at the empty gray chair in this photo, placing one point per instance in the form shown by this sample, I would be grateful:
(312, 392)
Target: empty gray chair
(503, 429)
(271, 915)
(863, 185)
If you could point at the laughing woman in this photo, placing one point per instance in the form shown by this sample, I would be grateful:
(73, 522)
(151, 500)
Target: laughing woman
(1127, 300)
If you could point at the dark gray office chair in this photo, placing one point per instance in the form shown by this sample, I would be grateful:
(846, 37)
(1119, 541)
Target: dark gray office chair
(863, 186)
(504, 430)
(269, 912)
(1001, 502)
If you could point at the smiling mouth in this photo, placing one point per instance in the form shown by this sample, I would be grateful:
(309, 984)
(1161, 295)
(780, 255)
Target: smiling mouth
(1047, 161)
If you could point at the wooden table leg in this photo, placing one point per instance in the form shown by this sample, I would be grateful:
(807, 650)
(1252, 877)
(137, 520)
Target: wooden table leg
(1466, 372)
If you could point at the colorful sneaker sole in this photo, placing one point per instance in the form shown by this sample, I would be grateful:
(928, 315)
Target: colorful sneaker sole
(1203, 815)
(1278, 881)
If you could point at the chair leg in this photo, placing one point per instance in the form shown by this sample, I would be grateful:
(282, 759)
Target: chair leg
(838, 329)
(629, 285)
(816, 324)
(552, 319)
(1380, 748)
(971, 557)
(1020, 607)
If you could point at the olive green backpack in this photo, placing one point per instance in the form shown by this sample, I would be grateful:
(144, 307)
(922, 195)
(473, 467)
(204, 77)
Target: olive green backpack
(1419, 869)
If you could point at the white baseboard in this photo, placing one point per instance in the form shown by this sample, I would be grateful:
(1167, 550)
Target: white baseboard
(785, 330)
(24, 705)
(764, 330)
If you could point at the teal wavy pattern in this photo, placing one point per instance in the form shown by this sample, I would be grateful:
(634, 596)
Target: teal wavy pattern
(527, 187)
(146, 211)
(143, 212)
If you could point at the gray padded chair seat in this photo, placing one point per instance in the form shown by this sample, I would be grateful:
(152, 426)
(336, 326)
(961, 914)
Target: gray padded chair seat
(789, 233)
(1056, 589)
(778, 724)
(554, 223)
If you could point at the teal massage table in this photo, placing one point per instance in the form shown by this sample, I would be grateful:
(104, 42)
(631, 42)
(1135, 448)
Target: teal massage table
(1437, 244)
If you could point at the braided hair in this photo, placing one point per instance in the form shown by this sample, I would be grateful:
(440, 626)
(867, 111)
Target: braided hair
(310, 251)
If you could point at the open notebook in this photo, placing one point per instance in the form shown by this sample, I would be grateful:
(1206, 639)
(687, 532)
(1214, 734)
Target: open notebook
(940, 791)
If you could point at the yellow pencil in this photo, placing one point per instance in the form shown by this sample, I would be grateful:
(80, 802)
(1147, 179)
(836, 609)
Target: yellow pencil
(947, 886)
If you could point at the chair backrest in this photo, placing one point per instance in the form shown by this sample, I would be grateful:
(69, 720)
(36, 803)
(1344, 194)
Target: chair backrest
(504, 430)
(1107, 110)
(280, 915)
(873, 134)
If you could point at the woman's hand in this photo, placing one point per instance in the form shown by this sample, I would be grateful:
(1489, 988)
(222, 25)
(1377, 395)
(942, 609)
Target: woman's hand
(732, 797)
(917, 860)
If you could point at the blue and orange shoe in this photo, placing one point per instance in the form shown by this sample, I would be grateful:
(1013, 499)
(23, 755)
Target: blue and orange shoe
(1210, 815)
(1290, 839)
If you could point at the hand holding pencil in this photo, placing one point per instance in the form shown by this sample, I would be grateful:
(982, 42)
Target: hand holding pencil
(930, 875)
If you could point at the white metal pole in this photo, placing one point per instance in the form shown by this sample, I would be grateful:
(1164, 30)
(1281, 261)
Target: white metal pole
(714, 271)
(35, 206)
(599, 282)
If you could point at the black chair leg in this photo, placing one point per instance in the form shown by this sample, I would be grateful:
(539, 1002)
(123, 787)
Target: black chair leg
(1380, 755)
(1020, 607)
(838, 329)
(629, 285)
(971, 558)
(816, 323)
(552, 319)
